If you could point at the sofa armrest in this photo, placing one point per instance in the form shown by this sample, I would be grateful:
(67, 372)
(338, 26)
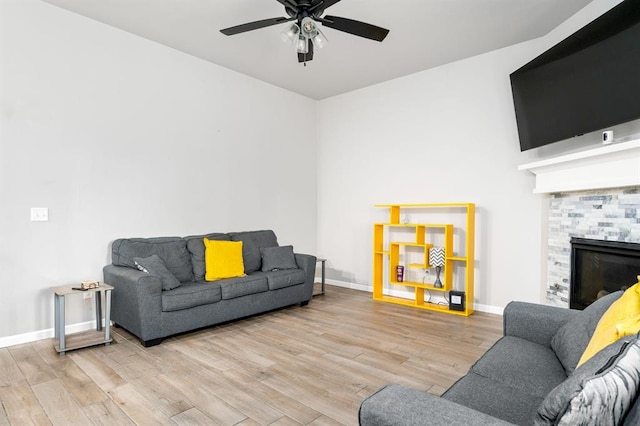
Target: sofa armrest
(137, 301)
(399, 405)
(307, 263)
(534, 322)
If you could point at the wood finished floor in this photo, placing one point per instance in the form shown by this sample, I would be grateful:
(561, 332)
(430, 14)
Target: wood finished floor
(308, 365)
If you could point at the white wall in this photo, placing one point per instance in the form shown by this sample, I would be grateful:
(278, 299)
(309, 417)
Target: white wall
(443, 135)
(122, 137)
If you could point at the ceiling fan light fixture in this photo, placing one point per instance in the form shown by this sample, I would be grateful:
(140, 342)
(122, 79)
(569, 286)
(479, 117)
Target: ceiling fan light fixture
(308, 27)
(290, 33)
(319, 40)
(302, 45)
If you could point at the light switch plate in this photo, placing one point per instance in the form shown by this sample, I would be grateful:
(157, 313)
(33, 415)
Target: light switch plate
(39, 214)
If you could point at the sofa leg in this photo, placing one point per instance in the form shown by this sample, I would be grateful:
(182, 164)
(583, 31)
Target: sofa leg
(152, 342)
(305, 303)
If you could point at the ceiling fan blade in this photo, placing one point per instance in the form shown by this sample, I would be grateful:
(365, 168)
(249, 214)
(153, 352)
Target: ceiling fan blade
(357, 28)
(289, 3)
(306, 57)
(290, 6)
(318, 6)
(250, 26)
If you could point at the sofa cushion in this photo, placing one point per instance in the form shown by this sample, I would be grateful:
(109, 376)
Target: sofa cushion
(601, 391)
(153, 265)
(283, 278)
(521, 364)
(195, 245)
(571, 340)
(189, 295)
(172, 250)
(395, 405)
(223, 259)
(621, 319)
(242, 286)
(253, 241)
(275, 258)
(494, 398)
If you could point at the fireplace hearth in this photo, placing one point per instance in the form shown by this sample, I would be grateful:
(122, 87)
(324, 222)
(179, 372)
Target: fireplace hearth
(599, 267)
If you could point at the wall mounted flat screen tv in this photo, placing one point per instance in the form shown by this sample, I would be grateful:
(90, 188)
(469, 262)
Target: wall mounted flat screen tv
(587, 82)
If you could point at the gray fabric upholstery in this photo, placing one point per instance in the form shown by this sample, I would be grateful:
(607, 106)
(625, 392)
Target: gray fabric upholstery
(155, 266)
(535, 322)
(190, 295)
(396, 405)
(557, 400)
(195, 245)
(285, 278)
(275, 258)
(172, 250)
(521, 364)
(242, 286)
(136, 300)
(572, 338)
(494, 398)
(252, 242)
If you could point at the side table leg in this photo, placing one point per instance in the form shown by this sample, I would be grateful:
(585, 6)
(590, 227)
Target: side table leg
(56, 313)
(60, 324)
(323, 262)
(107, 316)
(98, 295)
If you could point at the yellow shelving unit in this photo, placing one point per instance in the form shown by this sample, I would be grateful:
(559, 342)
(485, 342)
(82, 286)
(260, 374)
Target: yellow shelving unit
(390, 253)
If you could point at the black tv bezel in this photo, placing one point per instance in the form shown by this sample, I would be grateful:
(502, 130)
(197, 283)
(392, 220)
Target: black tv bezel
(617, 20)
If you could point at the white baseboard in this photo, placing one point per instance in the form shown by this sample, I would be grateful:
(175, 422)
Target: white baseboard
(409, 295)
(89, 325)
(48, 333)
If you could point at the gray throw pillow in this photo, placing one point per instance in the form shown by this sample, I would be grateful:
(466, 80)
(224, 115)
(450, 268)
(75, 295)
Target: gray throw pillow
(276, 258)
(153, 265)
(572, 339)
(600, 391)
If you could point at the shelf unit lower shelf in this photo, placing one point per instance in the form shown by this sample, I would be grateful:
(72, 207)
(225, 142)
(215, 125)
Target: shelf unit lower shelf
(425, 305)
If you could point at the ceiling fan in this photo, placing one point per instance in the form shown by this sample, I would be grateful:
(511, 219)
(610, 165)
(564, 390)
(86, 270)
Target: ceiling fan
(304, 33)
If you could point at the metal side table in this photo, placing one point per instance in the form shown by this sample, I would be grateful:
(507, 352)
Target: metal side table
(88, 338)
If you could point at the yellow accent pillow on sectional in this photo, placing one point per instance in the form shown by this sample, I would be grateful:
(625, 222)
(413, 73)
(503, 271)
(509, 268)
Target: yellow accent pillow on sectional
(621, 319)
(222, 259)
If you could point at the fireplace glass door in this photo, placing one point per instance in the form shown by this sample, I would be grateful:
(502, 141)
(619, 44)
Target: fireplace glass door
(601, 267)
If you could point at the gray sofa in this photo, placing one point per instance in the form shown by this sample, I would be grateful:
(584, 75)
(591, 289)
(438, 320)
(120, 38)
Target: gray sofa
(174, 297)
(528, 377)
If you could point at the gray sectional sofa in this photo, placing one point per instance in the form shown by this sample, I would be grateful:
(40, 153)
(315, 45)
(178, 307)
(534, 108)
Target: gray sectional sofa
(160, 288)
(528, 377)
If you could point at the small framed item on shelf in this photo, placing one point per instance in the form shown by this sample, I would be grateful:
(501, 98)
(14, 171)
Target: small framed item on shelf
(86, 285)
(456, 300)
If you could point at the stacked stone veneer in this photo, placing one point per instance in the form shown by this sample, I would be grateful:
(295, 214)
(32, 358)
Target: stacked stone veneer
(609, 214)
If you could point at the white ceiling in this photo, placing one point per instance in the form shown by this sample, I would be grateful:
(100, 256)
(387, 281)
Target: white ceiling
(423, 34)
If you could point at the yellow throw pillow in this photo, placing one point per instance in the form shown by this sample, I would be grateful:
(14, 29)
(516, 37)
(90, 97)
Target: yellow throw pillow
(222, 259)
(621, 319)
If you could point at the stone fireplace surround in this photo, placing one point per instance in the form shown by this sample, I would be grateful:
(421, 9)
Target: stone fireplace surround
(593, 194)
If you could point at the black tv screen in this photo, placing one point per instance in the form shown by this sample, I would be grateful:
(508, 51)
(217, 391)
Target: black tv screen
(587, 82)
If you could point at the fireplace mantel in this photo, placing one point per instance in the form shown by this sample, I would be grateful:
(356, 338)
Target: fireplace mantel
(609, 166)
